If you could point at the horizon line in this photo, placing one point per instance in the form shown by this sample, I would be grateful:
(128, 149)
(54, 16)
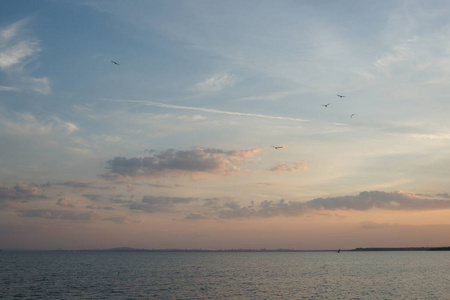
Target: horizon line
(130, 249)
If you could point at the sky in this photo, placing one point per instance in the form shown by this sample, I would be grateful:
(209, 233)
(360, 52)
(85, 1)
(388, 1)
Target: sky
(173, 146)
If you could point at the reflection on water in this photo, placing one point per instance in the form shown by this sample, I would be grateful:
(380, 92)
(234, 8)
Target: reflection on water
(213, 275)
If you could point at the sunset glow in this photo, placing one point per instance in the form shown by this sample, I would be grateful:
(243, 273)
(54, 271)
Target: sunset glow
(172, 146)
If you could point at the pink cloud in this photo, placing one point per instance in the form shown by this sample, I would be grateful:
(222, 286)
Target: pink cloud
(289, 167)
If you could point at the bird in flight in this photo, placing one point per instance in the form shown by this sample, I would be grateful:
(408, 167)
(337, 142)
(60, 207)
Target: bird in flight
(326, 105)
(115, 63)
(351, 116)
(278, 147)
(341, 96)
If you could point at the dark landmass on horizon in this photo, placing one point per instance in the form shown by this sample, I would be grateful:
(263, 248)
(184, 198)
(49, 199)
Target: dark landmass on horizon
(125, 249)
(129, 249)
(404, 249)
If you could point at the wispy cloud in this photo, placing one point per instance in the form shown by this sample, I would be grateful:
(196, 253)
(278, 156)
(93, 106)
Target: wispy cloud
(398, 55)
(7, 88)
(40, 85)
(9, 32)
(26, 124)
(216, 83)
(375, 225)
(208, 110)
(16, 51)
(289, 167)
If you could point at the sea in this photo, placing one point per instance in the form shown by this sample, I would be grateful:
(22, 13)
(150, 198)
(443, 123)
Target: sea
(224, 275)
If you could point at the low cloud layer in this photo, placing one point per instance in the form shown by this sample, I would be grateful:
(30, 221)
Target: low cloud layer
(194, 208)
(59, 214)
(361, 202)
(20, 192)
(195, 162)
(77, 184)
(151, 204)
(376, 199)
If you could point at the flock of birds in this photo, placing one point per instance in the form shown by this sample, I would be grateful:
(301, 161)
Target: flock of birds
(326, 106)
(340, 96)
(278, 146)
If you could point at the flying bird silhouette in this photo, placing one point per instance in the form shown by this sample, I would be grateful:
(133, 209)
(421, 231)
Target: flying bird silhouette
(326, 105)
(115, 63)
(351, 116)
(340, 96)
(278, 147)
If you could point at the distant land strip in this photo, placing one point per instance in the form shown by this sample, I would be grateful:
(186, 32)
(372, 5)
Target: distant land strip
(129, 249)
(125, 249)
(404, 249)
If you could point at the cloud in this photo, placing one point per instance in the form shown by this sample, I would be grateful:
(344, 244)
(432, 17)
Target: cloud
(376, 199)
(398, 55)
(208, 110)
(264, 209)
(64, 202)
(9, 32)
(59, 214)
(25, 124)
(152, 204)
(7, 88)
(41, 85)
(375, 225)
(93, 197)
(216, 83)
(196, 216)
(114, 199)
(77, 184)
(363, 201)
(289, 167)
(119, 220)
(20, 192)
(16, 51)
(11, 55)
(172, 162)
(443, 195)
(99, 207)
(118, 200)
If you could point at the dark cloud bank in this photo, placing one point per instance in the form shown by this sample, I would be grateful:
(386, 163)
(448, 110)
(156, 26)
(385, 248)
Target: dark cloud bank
(152, 204)
(177, 163)
(58, 214)
(20, 192)
(361, 202)
(230, 209)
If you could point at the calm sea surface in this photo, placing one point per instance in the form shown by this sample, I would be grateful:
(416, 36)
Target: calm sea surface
(212, 275)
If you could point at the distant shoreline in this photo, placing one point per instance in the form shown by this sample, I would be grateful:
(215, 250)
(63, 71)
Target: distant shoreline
(128, 249)
(404, 249)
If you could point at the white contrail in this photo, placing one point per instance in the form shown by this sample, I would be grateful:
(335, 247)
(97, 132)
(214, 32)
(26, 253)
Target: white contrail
(210, 110)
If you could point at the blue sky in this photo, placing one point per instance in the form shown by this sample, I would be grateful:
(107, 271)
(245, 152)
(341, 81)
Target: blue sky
(173, 146)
